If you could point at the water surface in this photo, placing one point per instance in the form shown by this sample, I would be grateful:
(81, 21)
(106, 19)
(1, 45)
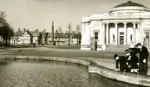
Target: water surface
(51, 74)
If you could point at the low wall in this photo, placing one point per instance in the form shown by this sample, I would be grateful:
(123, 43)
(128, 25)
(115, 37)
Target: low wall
(130, 78)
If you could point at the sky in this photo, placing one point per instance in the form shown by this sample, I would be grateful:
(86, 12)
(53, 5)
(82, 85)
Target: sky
(39, 14)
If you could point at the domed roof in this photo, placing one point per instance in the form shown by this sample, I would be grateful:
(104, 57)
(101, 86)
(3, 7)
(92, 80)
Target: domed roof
(130, 3)
(129, 6)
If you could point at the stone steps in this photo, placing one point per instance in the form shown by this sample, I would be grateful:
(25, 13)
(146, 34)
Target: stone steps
(117, 48)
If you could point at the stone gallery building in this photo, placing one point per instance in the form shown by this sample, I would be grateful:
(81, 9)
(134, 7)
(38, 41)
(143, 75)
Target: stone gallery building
(125, 24)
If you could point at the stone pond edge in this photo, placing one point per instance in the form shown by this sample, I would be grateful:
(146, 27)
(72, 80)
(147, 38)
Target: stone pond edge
(93, 67)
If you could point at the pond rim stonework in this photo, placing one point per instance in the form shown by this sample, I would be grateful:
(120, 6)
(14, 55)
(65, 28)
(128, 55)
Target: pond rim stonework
(93, 67)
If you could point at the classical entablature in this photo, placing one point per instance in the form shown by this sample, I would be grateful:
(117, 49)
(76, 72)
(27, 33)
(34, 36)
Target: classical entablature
(126, 23)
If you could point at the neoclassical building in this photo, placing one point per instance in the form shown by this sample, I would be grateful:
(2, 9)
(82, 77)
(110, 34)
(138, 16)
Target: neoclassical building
(125, 24)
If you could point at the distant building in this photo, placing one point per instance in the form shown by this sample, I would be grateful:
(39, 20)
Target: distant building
(25, 37)
(62, 39)
(34, 36)
(125, 24)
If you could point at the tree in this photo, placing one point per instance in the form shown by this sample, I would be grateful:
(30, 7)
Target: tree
(79, 36)
(56, 35)
(69, 33)
(60, 33)
(6, 31)
(46, 38)
(40, 38)
(78, 28)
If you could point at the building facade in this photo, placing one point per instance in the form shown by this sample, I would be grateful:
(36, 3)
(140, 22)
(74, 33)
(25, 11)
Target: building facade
(125, 24)
(25, 37)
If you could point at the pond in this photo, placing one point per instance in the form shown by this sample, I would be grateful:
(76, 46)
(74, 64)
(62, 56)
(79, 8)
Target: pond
(51, 74)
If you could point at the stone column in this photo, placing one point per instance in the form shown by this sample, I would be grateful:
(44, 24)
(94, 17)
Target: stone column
(138, 32)
(141, 33)
(134, 33)
(116, 27)
(103, 33)
(125, 27)
(107, 32)
(103, 37)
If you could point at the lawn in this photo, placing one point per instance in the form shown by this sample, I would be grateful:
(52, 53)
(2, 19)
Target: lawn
(57, 51)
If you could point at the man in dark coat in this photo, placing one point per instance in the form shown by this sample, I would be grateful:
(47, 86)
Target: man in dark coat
(143, 59)
(120, 60)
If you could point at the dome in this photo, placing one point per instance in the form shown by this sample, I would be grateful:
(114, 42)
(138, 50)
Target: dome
(129, 6)
(130, 3)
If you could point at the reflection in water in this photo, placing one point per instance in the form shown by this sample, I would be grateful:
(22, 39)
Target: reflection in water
(51, 74)
(96, 80)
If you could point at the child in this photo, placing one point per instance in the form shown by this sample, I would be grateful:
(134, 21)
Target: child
(128, 60)
(132, 61)
(120, 60)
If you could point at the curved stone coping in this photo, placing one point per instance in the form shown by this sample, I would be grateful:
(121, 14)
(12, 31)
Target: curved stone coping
(61, 59)
(131, 78)
(93, 67)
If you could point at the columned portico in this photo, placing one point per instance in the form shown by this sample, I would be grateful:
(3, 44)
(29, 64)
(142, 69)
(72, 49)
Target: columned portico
(120, 33)
(122, 25)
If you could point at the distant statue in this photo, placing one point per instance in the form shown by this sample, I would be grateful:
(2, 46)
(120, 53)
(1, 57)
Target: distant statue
(131, 39)
(113, 39)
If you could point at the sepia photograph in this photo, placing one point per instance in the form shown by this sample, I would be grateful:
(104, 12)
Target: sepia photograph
(74, 43)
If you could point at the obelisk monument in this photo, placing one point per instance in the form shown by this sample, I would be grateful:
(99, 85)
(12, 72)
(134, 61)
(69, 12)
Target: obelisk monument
(52, 33)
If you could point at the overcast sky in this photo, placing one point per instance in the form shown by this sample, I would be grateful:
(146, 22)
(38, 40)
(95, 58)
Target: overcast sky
(33, 14)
